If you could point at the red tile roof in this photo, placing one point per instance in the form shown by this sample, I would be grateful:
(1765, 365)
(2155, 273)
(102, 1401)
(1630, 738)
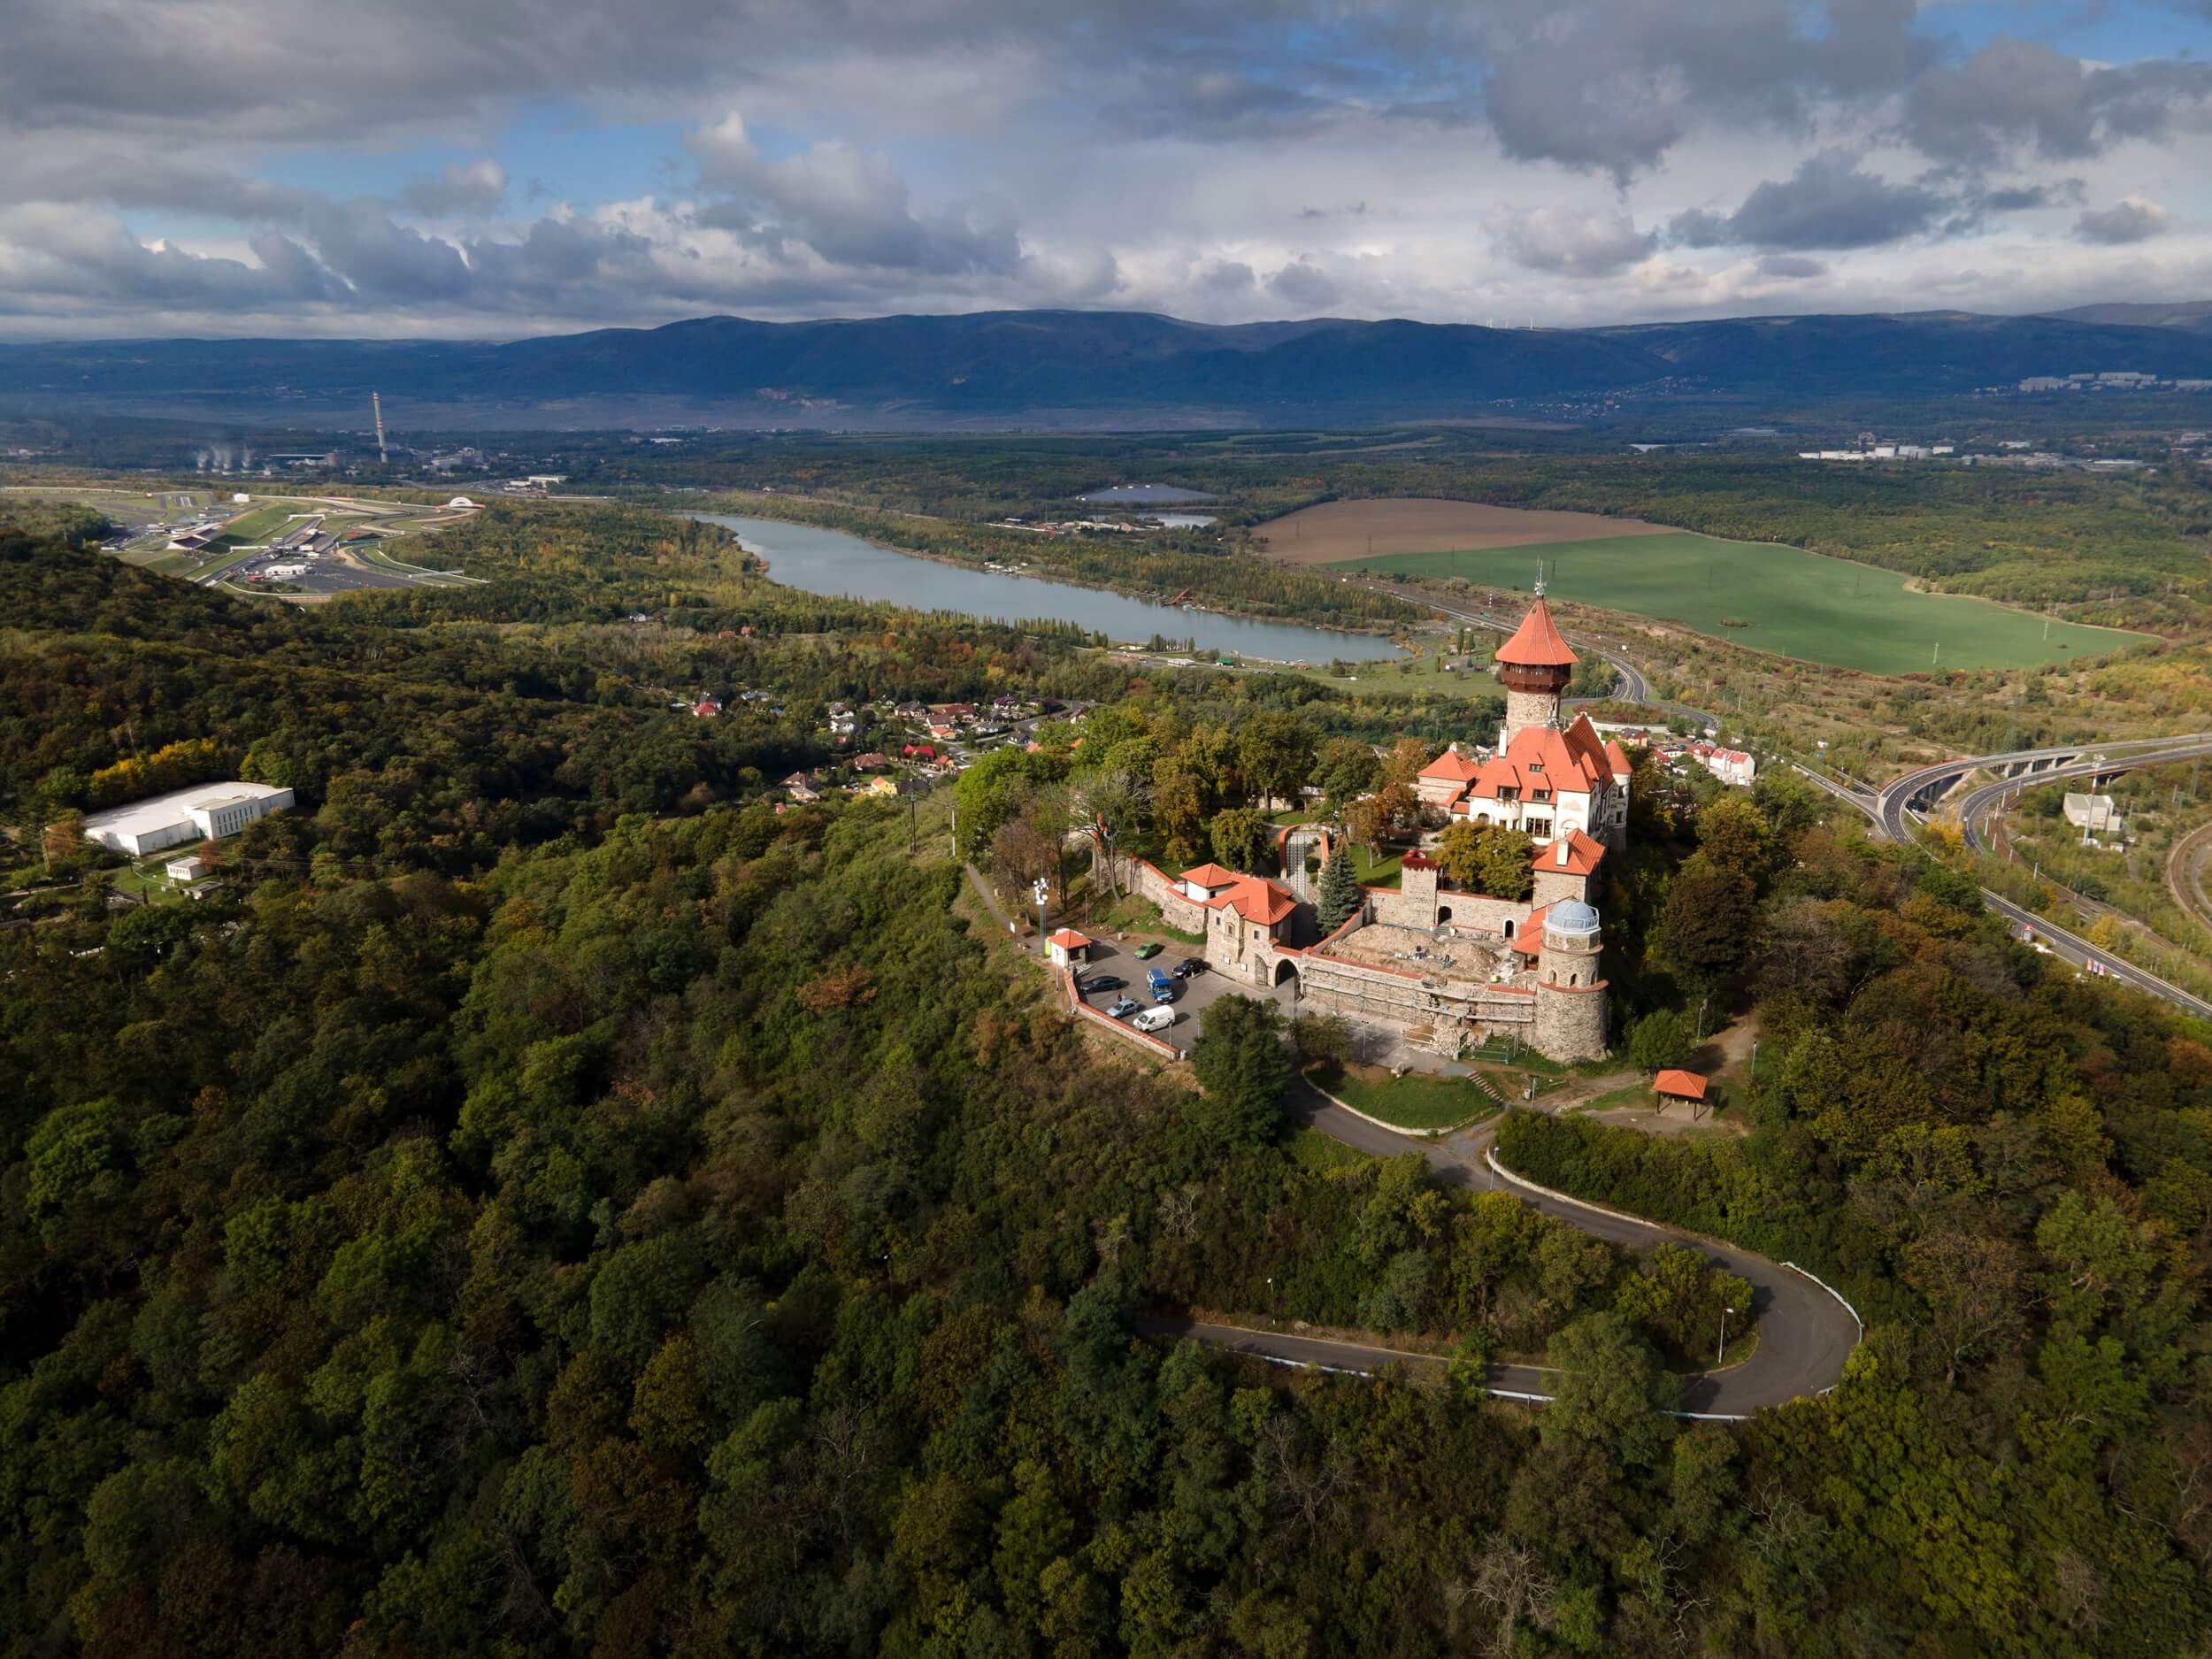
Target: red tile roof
(1211, 876)
(1566, 763)
(1528, 938)
(1068, 939)
(1681, 1085)
(1536, 643)
(1451, 766)
(1256, 899)
(1574, 852)
(1616, 758)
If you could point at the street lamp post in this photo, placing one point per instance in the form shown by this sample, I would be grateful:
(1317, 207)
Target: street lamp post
(1040, 889)
(1722, 1350)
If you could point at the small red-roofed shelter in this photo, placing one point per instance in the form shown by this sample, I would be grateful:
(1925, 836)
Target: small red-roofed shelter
(1675, 1085)
(1067, 948)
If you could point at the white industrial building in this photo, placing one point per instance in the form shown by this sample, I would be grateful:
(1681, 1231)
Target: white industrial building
(206, 812)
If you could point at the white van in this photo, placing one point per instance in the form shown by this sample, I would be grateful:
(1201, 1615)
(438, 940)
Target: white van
(1156, 1019)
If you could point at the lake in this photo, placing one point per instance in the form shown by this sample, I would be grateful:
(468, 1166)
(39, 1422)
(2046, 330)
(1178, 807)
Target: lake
(832, 562)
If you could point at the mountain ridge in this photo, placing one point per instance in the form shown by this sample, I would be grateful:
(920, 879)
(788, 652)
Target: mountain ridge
(987, 366)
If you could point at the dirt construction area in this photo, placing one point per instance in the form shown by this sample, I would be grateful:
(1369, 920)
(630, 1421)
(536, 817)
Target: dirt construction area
(1339, 530)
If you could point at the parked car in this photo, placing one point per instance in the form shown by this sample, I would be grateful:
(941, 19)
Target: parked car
(1162, 987)
(1123, 1009)
(1147, 951)
(1190, 967)
(1099, 982)
(1156, 1019)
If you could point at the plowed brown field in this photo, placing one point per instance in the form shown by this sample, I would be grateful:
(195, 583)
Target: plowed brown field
(1339, 530)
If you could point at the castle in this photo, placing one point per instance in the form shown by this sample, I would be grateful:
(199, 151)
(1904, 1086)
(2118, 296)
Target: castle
(1447, 967)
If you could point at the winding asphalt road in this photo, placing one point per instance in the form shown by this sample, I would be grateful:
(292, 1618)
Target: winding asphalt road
(1805, 1332)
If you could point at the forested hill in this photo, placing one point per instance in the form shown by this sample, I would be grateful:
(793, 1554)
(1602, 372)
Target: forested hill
(1004, 365)
(552, 1201)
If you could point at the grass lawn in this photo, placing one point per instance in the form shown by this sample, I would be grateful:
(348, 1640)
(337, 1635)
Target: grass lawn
(1773, 598)
(1630, 1095)
(1135, 915)
(1375, 872)
(1417, 1101)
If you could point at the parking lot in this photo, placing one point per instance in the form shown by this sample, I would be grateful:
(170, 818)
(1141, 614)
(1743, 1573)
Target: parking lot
(1192, 996)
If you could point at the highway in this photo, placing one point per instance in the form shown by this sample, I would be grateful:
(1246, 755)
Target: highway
(1893, 808)
(1805, 1332)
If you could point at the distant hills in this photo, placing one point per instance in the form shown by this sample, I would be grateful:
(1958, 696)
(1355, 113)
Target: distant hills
(2178, 314)
(1096, 368)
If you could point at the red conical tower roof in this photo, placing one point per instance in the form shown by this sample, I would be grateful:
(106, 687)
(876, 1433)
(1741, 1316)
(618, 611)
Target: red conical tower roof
(1536, 643)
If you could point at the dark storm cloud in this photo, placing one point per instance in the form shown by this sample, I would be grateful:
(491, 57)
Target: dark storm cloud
(2021, 95)
(1829, 203)
(1301, 285)
(848, 205)
(474, 187)
(1576, 244)
(1793, 267)
(2128, 221)
(1613, 86)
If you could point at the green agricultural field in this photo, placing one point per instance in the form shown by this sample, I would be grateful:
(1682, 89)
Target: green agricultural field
(1772, 598)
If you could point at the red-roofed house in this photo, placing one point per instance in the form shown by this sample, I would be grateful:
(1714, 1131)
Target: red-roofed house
(1067, 948)
(1245, 920)
(1550, 783)
(1565, 867)
(1200, 882)
(1445, 779)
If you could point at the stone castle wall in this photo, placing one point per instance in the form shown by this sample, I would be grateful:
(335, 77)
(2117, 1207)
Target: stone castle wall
(1552, 886)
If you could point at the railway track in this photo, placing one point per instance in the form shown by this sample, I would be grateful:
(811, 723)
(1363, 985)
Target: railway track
(2185, 873)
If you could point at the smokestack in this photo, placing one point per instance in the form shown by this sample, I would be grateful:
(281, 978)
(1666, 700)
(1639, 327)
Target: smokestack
(376, 407)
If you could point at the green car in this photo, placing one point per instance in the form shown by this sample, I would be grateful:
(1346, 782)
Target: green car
(1144, 952)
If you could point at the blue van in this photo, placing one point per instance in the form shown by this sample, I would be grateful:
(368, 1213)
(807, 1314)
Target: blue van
(1162, 986)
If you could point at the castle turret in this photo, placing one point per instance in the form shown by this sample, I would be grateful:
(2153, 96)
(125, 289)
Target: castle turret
(1570, 993)
(1416, 889)
(1534, 666)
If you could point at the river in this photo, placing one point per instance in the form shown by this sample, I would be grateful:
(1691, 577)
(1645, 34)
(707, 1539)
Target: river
(832, 562)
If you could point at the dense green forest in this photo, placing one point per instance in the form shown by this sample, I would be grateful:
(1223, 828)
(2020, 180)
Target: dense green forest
(588, 1211)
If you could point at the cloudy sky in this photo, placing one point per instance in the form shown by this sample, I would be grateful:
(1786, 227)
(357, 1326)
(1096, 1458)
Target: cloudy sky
(490, 168)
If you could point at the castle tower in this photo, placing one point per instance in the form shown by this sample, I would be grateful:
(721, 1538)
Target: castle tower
(1535, 666)
(1570, 993)
(1416, 885)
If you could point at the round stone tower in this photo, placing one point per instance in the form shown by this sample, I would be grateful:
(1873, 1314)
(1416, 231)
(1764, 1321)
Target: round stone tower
(1535, 666)
(1569, 991)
